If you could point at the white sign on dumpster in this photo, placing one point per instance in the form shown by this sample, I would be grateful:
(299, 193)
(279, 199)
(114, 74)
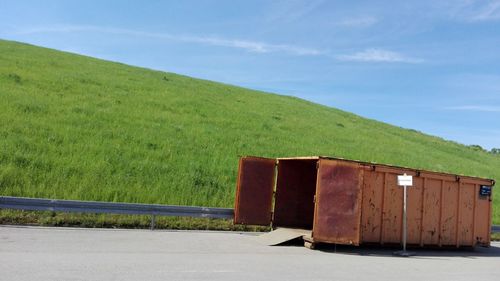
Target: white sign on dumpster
(405, 180)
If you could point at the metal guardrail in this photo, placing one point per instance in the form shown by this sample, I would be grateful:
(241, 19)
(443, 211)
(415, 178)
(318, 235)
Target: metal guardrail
(38, 204)
(55, 205)
(495, 229)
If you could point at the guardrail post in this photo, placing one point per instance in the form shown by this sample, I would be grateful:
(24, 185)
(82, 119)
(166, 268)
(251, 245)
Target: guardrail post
(153, 217)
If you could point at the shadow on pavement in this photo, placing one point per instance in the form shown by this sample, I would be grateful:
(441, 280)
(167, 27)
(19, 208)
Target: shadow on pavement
(387, 251)
(419, 252)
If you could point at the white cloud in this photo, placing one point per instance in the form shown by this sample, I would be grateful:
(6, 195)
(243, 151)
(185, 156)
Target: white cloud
(474, 10)
(491, 11)
(368, 55)
(253, 46)
(247, 45)
(378, 55)
(358, 22)
(481, 108)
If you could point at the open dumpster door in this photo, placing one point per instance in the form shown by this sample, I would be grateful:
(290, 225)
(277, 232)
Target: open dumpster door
(338, 202)
(254, 191)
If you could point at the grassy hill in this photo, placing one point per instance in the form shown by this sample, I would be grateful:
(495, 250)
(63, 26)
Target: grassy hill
(75, 127)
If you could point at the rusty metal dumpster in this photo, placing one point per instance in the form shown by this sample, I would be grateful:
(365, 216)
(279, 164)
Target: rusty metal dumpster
(351, 202)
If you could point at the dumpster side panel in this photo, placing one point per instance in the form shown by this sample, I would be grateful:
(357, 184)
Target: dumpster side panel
(415, 211)
(482, 219)
(254, 191)
(449, 216)
(431, 215)
(442, 210)
(382, 207)
(393, 210)
(466, 214)
(371, 213)
(338, 202)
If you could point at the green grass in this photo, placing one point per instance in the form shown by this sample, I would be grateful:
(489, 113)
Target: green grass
(119, 221)
(74, 127)
(495, 237)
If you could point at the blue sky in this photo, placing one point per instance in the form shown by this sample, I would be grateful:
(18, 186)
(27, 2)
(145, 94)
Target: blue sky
(433, 66)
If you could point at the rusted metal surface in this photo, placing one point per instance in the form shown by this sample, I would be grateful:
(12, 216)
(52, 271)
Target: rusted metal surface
(466, 218)
(359, 202)
(431, 214)
(392, 218)
(338, 202)
(371, 209)
(414, 211)
(254, 195)
(449, 216)
(443, 210)
(295, 189)
(482, 220)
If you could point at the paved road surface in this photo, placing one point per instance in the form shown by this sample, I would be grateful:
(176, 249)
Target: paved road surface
(39, 253)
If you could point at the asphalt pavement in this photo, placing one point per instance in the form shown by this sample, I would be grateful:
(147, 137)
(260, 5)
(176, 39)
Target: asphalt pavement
(46, 253)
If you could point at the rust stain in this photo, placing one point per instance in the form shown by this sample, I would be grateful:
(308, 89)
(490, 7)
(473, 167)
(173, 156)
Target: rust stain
(337, 216)
(254, 193)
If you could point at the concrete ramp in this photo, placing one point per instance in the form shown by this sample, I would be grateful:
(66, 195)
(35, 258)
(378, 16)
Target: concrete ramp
(282, 235)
